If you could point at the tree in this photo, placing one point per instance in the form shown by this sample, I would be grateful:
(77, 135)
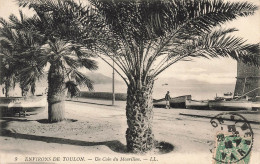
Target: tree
(148, 36)
(64, 59)
(143, 38)
(9, 68)
(20, 54)
(7, 75)
(56, 48)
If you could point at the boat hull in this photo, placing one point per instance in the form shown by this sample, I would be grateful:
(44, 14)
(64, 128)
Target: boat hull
(231, 105)
(190, 104)
(176, 102)
(12, 105)
(256, 105)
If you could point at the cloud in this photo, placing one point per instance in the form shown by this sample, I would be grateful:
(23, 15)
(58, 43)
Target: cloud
(214, 71)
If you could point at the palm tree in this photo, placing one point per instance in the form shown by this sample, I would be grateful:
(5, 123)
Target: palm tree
(143, 38)
(9, 67)
(15, 44)
(56, 49)
(8, 77)
(64, 58)
(146, 37)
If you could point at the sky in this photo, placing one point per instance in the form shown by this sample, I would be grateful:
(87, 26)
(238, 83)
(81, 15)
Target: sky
(214, 71)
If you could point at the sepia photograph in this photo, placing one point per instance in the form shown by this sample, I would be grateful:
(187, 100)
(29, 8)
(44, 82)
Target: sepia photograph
(129, 81)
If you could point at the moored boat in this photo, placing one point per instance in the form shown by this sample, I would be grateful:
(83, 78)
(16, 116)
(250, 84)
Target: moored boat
(256, 105)
(29, 105)
(203, 104)
(175, 102)
(33, 104)
(230, 105)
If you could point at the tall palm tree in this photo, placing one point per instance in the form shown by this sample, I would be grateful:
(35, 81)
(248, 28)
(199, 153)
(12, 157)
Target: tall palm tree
(15, 44)
(9, 66)
(64, 58)
(59, 51)
(145, 37)
(148, 36)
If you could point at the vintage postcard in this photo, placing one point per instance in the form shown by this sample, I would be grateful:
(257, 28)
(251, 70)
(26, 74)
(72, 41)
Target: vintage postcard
(129, 81)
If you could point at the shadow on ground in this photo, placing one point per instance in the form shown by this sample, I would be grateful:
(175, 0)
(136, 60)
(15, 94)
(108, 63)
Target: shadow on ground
(163, 147)
(114, 145)
(89, 102)
(46, 121)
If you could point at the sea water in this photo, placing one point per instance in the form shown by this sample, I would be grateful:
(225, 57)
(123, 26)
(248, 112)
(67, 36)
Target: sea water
(198, 92)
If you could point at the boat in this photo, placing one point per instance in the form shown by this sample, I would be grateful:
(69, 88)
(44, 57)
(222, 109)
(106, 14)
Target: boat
(256, 105)
(29, 105)
(175, 102)
(33, 104)
(241, 104)
(195, 104)
(228, 95)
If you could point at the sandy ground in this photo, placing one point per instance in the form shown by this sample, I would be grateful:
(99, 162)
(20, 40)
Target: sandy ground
(95, 133)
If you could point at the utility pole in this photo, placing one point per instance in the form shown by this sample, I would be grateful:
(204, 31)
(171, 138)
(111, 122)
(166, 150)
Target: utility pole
(113, 84)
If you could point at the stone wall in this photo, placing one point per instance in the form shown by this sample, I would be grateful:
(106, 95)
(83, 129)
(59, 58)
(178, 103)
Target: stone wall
(103, 95)
(248, 79)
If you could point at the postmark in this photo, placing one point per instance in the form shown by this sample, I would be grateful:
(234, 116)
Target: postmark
(233, 139)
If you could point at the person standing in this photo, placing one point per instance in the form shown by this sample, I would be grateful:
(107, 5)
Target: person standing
(167, 99)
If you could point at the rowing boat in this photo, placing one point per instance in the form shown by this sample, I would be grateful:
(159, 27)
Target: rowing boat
(203, 104)
(175, 102)
(230, 105)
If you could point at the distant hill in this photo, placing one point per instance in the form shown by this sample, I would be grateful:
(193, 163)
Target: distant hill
(187, 83)
(99, 78)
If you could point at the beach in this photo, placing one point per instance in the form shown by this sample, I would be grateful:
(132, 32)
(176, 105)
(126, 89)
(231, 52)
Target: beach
(95, 132)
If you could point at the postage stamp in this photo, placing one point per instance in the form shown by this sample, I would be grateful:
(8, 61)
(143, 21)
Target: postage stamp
(233, 140)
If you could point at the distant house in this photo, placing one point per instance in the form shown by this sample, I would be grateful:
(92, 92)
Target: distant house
(248, 80)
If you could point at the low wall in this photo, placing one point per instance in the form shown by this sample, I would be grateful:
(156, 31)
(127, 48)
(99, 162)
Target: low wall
(9, 106)
(103, 95)
(7, 100)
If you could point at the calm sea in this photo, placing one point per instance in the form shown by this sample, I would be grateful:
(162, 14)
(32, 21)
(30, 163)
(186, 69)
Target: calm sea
(198, 92)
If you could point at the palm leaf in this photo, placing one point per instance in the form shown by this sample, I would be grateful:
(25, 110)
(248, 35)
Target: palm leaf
(72, 88)
(82, 79)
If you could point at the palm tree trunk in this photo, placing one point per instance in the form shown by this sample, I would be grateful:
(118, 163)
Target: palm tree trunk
(7, 88)
(56, 93)
(33, 87)
(139, 113)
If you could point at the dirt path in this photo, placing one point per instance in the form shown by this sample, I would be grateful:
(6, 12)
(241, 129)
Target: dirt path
(96, 133)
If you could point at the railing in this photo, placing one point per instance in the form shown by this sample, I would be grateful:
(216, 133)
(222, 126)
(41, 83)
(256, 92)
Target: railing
(247, 93)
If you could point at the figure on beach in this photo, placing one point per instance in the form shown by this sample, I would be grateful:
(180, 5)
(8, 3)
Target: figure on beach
(167, 99)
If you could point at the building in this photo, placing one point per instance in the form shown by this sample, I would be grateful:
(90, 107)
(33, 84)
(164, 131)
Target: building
(248, 80)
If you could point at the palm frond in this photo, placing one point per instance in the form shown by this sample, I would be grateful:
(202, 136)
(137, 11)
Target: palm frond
(72, 88)
(89, 64)
(215, 44)
(143, 32)
(82, 79)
